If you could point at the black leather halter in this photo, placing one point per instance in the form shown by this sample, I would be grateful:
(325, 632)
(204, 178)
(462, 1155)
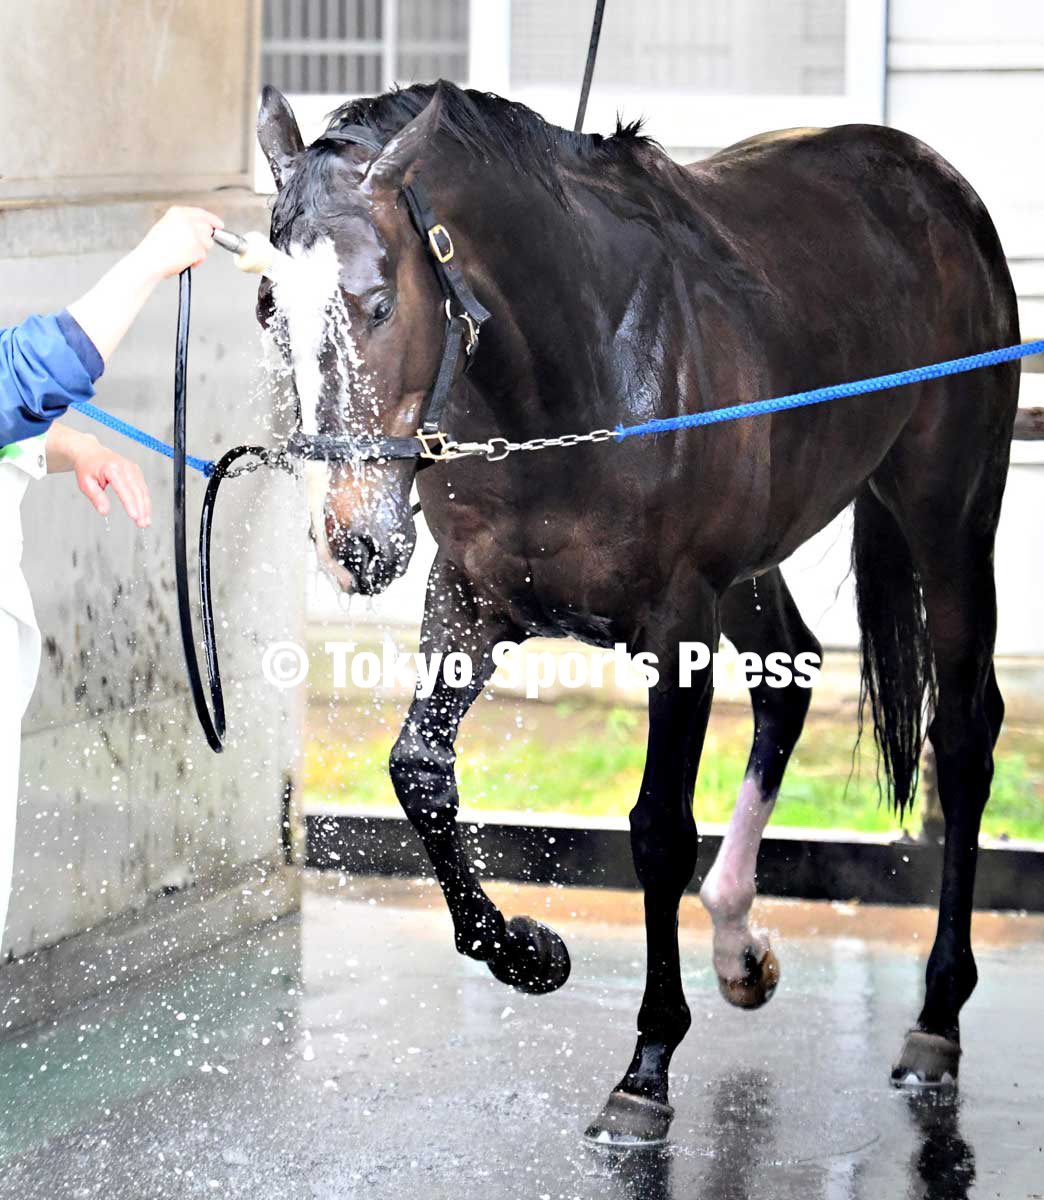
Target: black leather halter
(464, 318)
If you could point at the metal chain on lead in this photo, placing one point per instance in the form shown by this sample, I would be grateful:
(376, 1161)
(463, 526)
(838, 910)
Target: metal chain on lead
(498, 448)
(276, 459)
(495, 450)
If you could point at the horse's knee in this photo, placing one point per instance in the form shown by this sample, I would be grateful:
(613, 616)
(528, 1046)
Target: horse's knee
(421, 771)
(664, 849)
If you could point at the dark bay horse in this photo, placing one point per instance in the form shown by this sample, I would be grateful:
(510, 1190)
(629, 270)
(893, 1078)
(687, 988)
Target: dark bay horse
(625, 287)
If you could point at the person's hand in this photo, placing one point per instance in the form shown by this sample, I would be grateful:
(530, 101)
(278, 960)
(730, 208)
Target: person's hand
(181, 238)
(97, 468)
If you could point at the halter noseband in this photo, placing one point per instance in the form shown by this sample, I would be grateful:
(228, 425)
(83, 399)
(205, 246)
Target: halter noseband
(464, 318)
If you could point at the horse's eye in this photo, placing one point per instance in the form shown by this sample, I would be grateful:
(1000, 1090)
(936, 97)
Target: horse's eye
(382, 310)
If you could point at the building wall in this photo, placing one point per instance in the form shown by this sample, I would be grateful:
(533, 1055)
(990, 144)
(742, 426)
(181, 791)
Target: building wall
(121, 797)
(119, 96)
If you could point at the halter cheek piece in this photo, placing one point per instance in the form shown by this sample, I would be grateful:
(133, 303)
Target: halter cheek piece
(464, 318)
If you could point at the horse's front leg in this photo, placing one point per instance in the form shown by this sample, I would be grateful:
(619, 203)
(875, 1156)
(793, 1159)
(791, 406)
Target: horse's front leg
(663, 843)
(521, 952)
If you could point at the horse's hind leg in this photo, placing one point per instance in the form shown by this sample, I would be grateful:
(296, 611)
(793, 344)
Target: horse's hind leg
(943, 483)
(960, 604)
(663, 843)
(762, 619)
(521, 952)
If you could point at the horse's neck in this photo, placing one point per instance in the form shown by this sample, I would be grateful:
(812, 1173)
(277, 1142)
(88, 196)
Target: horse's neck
(557, 299)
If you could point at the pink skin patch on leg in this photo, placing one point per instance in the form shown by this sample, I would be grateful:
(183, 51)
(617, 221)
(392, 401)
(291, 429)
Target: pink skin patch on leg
(728, 891)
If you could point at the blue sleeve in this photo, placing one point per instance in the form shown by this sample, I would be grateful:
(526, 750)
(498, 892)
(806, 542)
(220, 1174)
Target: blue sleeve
(46, 364)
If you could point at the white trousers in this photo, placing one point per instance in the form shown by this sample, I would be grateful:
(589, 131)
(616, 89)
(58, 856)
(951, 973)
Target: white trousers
(19, 664)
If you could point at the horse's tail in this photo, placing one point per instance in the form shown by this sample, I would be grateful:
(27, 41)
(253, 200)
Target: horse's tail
(897, 672)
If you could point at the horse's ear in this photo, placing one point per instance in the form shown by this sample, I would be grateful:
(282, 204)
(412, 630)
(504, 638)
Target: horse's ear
(278, 134)
(388, 169)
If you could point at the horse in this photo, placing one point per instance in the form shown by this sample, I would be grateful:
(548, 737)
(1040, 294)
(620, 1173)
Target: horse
(624, 287)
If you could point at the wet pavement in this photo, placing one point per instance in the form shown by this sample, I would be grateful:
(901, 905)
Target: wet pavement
(349, 1052)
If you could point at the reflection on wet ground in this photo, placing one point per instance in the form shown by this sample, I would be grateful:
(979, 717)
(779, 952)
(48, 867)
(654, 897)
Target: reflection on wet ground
(350, 1052)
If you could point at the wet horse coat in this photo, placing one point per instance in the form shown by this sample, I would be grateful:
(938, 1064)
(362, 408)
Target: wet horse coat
(624, 287)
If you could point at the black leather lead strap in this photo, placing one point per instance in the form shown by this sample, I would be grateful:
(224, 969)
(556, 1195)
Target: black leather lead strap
(206, 594)
(212, 720)
(213, 726)
(332, 447)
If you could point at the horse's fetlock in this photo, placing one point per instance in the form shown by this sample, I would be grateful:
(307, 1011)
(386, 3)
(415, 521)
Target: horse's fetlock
(727, 902)
(664, 1025)
(481, 938)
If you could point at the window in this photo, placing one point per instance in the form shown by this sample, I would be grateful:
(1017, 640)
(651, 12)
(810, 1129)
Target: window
(703, 74)
(759, 47)
(360, 47)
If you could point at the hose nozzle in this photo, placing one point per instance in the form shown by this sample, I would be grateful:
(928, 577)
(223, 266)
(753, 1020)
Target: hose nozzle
(230, 241)
(254, 252)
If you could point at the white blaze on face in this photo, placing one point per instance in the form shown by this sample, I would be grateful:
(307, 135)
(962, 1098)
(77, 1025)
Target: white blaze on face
(305, 292)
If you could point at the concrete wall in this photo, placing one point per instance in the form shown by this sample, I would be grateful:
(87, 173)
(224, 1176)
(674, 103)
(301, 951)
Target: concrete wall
(121, 796)
(120, 96)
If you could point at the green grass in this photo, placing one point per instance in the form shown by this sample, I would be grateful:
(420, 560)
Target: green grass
(587, 760)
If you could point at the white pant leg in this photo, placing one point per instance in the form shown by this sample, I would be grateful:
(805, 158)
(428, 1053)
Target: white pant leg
(19, 663)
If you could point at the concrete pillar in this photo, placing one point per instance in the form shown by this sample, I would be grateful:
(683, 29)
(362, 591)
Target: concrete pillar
(114, 109)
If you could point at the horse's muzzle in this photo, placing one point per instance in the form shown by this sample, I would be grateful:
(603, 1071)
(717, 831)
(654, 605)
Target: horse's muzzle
(371, 565)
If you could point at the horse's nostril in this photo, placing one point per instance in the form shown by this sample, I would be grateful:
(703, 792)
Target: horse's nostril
(373, 564)
(360, 554)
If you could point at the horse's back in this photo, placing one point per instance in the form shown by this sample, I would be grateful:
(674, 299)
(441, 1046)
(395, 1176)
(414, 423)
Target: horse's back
(903, 197)
(838, 254)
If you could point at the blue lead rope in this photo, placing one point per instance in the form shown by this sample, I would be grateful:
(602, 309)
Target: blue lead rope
(733, 412)
(204, 466)
(837, 391)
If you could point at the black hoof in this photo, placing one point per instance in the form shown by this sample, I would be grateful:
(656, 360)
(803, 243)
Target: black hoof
(630, 1123)
(532, 958)
(927, 1061)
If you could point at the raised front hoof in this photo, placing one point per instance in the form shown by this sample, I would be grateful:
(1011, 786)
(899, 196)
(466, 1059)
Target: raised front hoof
(928, 1060)
(757, 987)
(532, 958)
(630, 1123)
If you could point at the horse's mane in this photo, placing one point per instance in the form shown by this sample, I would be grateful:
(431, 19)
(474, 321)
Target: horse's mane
(493, 128)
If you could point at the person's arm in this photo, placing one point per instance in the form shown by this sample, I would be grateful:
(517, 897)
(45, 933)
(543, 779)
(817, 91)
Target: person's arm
(48, 363)
(180, 239)
(96, 467)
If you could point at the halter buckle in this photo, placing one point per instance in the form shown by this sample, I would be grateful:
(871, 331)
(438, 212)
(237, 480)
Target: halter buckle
(442, 252)
(435, 445)
(471, 337)
(471, 334)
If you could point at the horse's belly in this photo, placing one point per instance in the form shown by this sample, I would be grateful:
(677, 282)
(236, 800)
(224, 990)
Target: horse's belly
(565, 576)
